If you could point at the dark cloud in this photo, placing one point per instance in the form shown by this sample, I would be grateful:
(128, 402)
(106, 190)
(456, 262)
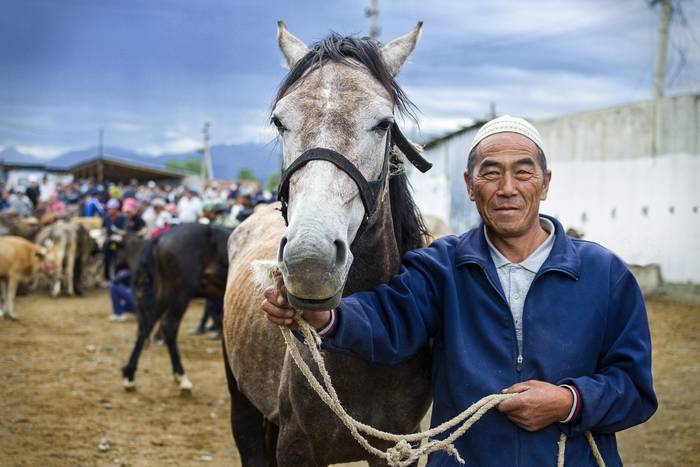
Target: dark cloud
(152, 72)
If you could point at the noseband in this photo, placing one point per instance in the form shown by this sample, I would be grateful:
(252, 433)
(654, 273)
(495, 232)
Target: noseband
(369, 191)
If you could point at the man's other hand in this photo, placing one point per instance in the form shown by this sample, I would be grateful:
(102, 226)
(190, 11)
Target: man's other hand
(278, 310)
(537, 405)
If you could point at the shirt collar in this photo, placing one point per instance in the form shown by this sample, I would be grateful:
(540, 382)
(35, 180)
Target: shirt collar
(533, 262)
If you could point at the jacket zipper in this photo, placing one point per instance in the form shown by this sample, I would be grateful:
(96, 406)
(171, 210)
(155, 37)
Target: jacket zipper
(519, 358)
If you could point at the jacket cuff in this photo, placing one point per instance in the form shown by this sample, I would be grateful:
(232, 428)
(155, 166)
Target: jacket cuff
(329, 329)
(575, 407)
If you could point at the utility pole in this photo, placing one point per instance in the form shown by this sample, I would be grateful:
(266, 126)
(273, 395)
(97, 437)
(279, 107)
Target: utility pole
(662, 47)
(492, 110)
(372, 12)
(100, 142)
(206, 170)
(660, 72)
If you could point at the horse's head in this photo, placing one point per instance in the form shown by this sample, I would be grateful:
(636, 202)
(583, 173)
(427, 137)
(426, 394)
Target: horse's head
(340, 95)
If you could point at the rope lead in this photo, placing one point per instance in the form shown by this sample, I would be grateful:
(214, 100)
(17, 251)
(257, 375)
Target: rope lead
(402, 454)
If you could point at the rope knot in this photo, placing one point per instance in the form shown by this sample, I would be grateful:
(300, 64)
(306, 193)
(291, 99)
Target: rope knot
(402, 451)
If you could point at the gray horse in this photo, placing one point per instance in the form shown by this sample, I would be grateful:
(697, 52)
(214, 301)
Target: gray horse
(341, 95)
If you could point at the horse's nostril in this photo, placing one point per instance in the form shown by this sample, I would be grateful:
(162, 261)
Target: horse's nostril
(341, 253)
(280, 251)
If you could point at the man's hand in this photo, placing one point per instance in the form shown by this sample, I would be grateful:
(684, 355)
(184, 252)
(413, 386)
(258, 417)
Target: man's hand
(278, 310)
(537, 405)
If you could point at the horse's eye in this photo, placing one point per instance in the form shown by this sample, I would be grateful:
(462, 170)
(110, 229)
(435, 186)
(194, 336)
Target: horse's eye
(383, 126)
(276, 121)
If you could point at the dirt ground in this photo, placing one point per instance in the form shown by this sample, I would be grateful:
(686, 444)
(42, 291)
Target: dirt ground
(61, 394)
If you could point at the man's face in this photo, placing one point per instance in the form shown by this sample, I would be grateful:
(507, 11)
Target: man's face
(507, 183)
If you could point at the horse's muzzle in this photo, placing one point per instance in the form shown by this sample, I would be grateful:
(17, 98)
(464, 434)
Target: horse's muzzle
(304, 304)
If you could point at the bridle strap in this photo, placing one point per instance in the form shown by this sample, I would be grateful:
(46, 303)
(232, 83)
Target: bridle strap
(408, 149)
(369, 191)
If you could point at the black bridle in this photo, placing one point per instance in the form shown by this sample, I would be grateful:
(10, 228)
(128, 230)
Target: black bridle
(369, 191)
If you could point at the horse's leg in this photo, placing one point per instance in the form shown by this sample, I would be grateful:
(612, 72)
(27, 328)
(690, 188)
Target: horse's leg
(70, 263)
(146, 320)
(248, 426)
(293, 447)
(3, 297)
(169, 324)
(12, 284)
(78, 271)
(56, 286)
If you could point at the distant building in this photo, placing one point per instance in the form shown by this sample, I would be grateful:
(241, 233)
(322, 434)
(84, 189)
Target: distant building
(623, 178)
(441, 191)
(18, 174)
(103, 168)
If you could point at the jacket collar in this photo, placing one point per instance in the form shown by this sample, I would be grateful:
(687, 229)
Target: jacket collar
(473, 248)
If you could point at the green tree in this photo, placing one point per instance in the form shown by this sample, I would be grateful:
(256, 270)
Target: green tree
(273, 181)
(246, 174)
(193, 165)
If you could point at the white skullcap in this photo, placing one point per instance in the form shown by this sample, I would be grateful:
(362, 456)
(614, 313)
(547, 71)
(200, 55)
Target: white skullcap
(508, 124)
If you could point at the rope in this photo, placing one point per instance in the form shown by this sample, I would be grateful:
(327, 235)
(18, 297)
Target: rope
(407, 448)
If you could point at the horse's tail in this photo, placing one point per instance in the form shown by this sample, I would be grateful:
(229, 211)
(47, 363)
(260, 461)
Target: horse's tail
(144, 284)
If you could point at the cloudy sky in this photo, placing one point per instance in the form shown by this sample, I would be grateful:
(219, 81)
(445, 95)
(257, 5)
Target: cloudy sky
(152, 72)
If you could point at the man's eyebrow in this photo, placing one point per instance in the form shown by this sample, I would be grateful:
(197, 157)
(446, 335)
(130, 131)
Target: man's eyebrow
(489, 163)
(525, 161)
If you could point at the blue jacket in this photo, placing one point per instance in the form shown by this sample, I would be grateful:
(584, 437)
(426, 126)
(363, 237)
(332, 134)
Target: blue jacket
(584, 324)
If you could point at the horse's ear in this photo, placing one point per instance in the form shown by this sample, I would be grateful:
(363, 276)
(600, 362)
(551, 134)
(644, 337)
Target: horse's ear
(397, 51)
(292, 48)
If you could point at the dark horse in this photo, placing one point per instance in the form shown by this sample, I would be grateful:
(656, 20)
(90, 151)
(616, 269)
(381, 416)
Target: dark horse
(186, 262)
(350, 219)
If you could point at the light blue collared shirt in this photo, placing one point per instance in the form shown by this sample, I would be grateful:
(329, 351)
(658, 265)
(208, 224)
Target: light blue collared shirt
(517, 278)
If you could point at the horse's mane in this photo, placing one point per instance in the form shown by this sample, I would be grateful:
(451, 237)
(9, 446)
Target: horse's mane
(409, 229)
(349, 49)
(408, 223)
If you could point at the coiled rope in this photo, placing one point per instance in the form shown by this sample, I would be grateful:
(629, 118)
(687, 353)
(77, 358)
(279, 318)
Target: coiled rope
(403, 453)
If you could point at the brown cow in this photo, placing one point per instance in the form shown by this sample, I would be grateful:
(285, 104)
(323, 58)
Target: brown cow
(20, 259)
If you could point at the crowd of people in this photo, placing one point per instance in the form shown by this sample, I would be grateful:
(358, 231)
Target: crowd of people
(146, 210)
(158, 205)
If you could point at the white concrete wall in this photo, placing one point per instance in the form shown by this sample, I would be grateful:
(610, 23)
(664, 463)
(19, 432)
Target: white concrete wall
(625, 132)
(646, 210)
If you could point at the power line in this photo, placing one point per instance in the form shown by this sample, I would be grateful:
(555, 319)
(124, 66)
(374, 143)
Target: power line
(686, 24)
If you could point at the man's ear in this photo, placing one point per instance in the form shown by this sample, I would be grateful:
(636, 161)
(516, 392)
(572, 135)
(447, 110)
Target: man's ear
(545, 190)
(468, 182)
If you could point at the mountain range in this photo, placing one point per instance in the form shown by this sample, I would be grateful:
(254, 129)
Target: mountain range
(227, 159)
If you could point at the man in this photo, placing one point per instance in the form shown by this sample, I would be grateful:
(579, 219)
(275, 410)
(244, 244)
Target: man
(513, 306)
(47, 188)
(33, 192)
(121, 294)
(152, 213)
(132, 220)
(189, 207)
(19, 203)
(117, 226)
(91, 206)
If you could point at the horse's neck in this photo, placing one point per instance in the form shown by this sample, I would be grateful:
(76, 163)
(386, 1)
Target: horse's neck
(376, 255)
